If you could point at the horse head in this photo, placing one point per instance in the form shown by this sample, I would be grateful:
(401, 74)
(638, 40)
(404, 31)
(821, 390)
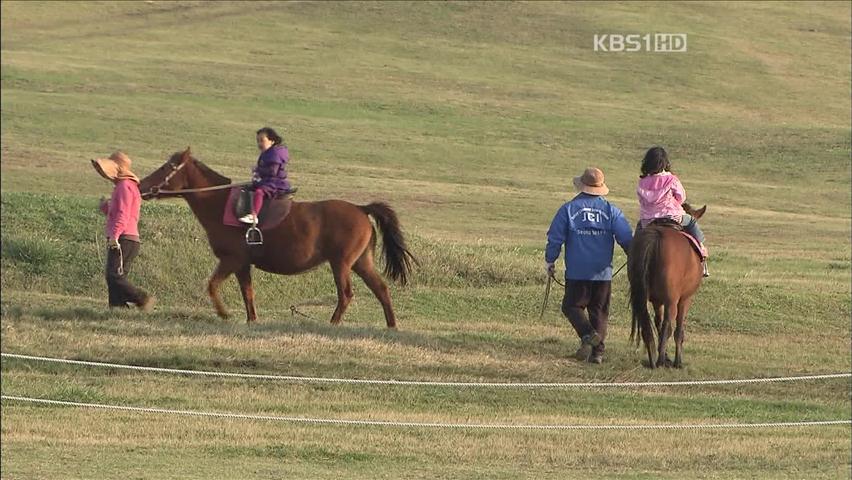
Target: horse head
(696, 214)
(168, 177)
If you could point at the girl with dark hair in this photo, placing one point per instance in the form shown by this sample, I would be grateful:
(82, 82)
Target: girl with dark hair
(661, 195)
(270, 175)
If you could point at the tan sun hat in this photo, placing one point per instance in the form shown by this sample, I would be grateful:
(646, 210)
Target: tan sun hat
(116, 167)
(591, 182)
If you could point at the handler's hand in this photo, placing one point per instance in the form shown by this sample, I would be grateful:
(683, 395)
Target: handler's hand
(549, 268)
(112, 243)
(103, 203)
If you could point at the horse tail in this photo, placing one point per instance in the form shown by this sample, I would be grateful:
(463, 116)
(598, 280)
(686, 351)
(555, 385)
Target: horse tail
(397, 257)
(643, 251)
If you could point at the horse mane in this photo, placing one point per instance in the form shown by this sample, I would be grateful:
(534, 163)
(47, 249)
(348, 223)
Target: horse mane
(213, 176)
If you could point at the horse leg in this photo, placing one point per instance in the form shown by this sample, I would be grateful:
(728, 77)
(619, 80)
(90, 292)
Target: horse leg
(344, 290)
(658, 323)
(669, 313)
(679, 333)
(244, 277)
(221, 272)
(365, 269)
(648, 340)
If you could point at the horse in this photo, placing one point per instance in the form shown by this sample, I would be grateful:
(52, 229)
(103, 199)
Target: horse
(333, 231)
(663, 268)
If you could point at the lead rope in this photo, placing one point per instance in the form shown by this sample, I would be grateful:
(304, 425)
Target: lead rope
(551, 277)
(120, 260)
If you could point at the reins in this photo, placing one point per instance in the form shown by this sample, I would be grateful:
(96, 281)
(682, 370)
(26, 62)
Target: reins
(155, 191)
(202, 189)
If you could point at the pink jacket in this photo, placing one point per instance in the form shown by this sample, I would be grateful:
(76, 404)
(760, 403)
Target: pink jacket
(660, 195)
(122, 210)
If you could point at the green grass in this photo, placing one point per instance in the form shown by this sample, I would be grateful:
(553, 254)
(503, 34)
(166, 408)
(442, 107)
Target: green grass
(470, 120)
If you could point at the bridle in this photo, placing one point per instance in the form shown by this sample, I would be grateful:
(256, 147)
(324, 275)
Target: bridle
(155, 190)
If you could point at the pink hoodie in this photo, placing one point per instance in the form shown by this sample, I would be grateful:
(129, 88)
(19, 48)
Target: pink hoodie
(122, 210)
(660, 195)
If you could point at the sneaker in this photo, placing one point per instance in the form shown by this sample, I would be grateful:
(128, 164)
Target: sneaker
(596, 358)
(250, 218)
(148, 304)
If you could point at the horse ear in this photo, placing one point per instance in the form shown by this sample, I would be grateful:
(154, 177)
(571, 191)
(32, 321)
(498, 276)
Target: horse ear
(186, 153)
(700, 212)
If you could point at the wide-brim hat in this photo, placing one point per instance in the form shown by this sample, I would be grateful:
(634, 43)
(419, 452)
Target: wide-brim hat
(591, 182)
(114, 168)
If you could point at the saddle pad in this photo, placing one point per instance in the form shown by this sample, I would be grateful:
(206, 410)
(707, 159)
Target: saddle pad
(272, 213)
(702, 252)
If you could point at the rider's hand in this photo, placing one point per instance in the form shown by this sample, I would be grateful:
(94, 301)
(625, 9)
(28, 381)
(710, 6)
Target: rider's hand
(549, 268)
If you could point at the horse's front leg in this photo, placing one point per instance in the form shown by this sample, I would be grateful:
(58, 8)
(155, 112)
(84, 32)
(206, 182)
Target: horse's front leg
(223, 269)
(244, 277)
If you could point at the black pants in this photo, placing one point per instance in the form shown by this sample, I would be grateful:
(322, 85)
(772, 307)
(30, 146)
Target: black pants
(121, 291)
(582, 296)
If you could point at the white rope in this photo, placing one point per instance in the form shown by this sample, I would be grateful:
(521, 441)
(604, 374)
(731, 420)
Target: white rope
(385, 423)
(429, 383)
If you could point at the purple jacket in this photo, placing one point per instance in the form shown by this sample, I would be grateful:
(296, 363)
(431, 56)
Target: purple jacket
(660, 195)
(271, 172)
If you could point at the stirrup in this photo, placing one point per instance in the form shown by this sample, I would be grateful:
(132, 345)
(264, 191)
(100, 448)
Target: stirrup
(254, 236)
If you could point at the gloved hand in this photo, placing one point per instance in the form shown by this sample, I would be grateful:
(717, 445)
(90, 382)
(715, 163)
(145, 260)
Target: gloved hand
(549, 268)
(112, 243)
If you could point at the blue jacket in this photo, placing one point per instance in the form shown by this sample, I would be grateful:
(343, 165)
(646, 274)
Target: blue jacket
(588, 226)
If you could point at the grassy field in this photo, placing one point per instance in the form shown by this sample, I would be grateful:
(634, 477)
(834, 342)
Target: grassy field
(470, 120)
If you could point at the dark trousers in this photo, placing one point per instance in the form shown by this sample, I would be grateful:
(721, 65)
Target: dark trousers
(592, 297)
(121, 291)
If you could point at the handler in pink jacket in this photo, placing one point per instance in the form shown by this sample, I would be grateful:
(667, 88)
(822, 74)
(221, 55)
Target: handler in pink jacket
(122, 231)
(661, 195)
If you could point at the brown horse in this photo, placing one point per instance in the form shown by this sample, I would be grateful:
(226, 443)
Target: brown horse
(331, 231)
(663, 268)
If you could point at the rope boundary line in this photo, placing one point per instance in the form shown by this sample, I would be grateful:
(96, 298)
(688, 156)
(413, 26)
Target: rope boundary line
(386, 423)
(294, 378)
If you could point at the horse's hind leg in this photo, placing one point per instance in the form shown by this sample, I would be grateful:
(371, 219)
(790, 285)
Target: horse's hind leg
(680, 333)
(244, 277)
(669, 314)
(223, 269)
(344, 290)
(648, 340)
(365, 269)
(658, 324)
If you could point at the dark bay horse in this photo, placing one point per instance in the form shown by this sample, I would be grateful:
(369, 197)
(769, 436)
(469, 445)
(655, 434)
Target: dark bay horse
(331, 231)
(663, 268)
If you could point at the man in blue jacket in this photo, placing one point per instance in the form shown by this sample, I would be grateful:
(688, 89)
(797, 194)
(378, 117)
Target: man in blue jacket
(588, 226)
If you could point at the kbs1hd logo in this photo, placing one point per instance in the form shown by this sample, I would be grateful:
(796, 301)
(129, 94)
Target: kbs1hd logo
(655, 43)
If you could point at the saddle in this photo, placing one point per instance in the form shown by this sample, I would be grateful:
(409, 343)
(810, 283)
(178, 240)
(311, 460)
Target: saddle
(271, 214)
(675, 225)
